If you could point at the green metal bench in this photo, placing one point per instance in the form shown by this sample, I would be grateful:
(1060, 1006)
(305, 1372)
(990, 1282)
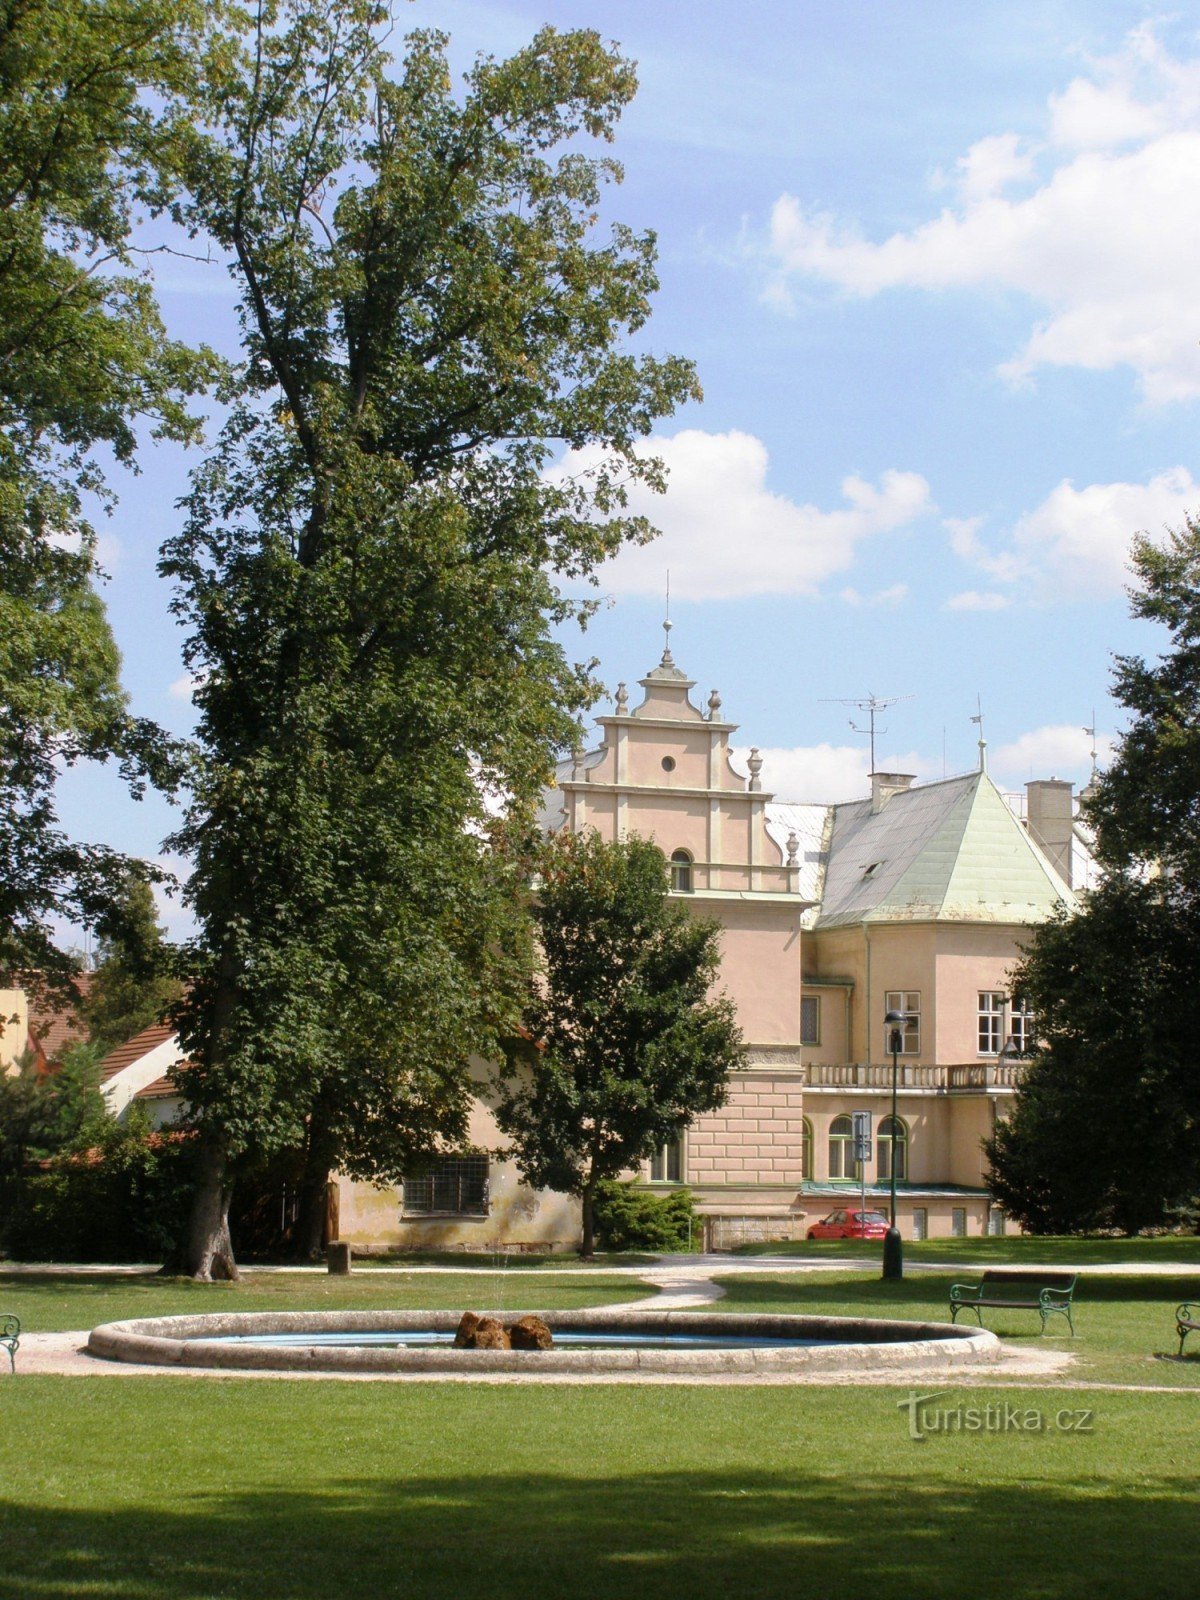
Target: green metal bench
(1047, 1293)
(10, 1337)
(1187, 1320)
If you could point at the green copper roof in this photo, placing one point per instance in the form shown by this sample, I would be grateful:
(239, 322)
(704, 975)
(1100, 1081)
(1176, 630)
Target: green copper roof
(945, 852)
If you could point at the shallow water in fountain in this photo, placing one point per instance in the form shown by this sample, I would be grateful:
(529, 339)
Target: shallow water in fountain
(418, 1338)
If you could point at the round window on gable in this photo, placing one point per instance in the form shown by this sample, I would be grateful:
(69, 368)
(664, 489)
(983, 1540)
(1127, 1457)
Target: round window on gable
(668, 763)
(681, 872)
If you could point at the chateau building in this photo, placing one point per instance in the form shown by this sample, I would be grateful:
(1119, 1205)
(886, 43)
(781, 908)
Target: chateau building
(913, 899)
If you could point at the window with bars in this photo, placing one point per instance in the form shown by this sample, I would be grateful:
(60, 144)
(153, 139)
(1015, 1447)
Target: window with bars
(448, 1185)
(907, 1001)
(991, 1022)
(810, 1019)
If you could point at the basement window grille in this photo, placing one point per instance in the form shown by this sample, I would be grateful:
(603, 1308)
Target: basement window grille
(448, 1186)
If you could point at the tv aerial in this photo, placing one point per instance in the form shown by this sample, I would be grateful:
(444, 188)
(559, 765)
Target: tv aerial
(872, 704)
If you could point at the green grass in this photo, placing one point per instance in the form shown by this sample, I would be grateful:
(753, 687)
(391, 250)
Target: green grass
(182, 1489)
(51, 1302)
(1007, 1250)
(1125, 1325)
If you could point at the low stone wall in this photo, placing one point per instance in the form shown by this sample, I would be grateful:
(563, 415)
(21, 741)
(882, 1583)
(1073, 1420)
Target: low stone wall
(191, 1342)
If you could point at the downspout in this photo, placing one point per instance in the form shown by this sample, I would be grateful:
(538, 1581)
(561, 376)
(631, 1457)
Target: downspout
(867, 941)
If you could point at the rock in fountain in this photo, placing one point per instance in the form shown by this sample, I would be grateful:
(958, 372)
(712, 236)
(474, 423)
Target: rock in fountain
(487, 1333)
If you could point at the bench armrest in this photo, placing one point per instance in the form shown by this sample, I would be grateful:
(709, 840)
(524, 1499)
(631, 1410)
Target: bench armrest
(1047, 1295)
(10, 1327)
(1189, 1311)
(959, 1290)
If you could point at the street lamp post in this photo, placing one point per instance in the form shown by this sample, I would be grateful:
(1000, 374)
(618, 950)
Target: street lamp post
(893, 1251)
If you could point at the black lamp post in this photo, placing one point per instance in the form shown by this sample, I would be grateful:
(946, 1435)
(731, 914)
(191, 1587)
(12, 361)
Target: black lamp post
(893, 1251)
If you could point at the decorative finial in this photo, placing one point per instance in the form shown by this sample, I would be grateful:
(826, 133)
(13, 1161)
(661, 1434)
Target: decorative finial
(714, 707)
(577, 764)
(622, 700)
(755, 764)
(668, 659)
(793, 849)
(978, 720)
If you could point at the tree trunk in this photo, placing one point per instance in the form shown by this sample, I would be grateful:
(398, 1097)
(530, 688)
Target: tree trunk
(588, 1248)
(209, 1247)
(308, 1236)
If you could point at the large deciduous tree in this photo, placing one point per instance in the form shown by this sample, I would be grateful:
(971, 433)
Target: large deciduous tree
(1106, 1129)
(84, 360)
(373, 561)
(623, 1043)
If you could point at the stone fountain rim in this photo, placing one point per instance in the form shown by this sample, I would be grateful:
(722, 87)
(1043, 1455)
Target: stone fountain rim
(192, 1341)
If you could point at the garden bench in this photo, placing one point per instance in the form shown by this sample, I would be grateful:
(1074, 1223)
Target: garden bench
(1187, 1320)
(1043, 1292)
(10, 1337)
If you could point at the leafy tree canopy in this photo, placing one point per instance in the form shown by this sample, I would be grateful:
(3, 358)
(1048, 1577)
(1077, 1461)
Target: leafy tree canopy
(624, 1045)
(374, 555)
(84, 359)
(1106, 1131)
(133, 983)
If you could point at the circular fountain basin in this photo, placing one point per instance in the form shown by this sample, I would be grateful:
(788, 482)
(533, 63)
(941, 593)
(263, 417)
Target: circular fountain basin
(585, 1342)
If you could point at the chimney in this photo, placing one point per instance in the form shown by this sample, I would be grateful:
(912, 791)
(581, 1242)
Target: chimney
(884, 785)
(1050, 814)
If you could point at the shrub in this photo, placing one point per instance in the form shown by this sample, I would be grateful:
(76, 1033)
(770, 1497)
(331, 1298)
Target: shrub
(631, 1217)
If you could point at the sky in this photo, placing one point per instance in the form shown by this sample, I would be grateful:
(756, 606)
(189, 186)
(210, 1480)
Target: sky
(936, 265)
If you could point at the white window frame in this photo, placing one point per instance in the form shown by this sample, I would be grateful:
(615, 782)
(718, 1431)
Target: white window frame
(666, 1164)
(884, 1141)
(907, 1001)
(843, 1143)
(989, 1022)
(1021, 1022)
(682, 864)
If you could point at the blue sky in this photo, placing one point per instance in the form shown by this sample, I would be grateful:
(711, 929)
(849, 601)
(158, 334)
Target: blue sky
(936, 265)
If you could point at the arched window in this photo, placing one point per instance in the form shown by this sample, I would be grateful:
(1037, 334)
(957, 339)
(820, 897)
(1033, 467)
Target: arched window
(681, 872)
(841, 1147)
(806, 1151)
(893, 1135)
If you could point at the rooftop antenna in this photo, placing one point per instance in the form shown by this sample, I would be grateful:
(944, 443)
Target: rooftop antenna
(1091, 733)
(978, 720)
(872, 704)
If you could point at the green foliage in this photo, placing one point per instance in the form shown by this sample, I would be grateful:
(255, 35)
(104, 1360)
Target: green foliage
(371, 564)
(42, 1114)
(132, 985)
(622, 1045)
(1106, 1131)
(121, 1195)
(631, 1217)
(85, 359)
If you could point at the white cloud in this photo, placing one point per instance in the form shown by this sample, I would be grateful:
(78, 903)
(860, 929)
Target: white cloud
(1076, 543)
(889, 598)
(973, 600)
(1055, 751)
(184, 688)
(823, 773)
(726, 535)
(1105, 240)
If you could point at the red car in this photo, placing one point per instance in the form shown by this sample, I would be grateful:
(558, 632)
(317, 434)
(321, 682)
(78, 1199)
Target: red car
(850, 1225)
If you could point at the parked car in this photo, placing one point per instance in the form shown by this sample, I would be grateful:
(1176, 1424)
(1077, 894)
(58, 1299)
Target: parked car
(850, 1225)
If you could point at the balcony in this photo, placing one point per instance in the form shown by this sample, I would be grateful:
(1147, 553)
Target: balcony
(961, 1078)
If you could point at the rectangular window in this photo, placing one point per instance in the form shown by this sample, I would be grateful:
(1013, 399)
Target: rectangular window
(995, 1221)
(991, 1022)
(810, 1019)
(448, 1186)
(958, 1222)
(1020, 1027)
(666, 1164)
(907, 1001)
(920, 1222)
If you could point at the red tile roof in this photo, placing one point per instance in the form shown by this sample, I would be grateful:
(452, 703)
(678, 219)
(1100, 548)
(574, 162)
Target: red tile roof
(134, 1049)
(160, 1089)
(51, 1028)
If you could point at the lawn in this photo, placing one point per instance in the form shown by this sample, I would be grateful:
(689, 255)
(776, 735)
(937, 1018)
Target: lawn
(49, 1302)
(1125, 1324)
(1005, 1250)
(192, 1489)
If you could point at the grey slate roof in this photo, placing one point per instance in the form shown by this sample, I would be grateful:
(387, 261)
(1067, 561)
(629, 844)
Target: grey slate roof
(949, 851)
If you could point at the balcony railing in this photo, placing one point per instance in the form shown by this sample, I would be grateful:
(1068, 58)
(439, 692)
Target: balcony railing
(913, 1075)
